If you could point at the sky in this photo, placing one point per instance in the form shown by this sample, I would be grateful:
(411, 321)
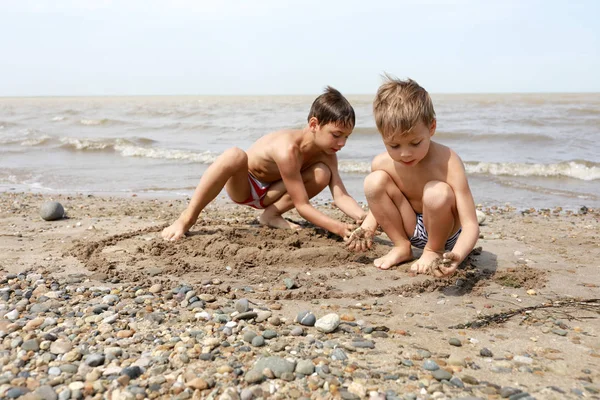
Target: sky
(260, 47)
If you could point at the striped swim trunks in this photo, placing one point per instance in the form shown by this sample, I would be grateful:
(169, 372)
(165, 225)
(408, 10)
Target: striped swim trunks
(419, 237)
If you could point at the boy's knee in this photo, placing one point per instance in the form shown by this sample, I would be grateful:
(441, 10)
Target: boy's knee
(437, 194)
(236, 157)
(376, 182)
(322, 174)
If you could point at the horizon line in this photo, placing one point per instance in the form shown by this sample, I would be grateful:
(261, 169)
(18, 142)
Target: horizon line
(277, 95)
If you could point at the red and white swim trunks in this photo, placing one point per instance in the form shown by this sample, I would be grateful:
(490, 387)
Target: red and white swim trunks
(258, 190)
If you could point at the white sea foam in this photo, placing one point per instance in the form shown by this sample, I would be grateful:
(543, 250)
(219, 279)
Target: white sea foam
(205, 157)
(58, 118)
(569, 169)
(92, 122)
(582, 170)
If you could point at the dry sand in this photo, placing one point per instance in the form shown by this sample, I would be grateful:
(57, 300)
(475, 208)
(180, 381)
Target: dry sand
(524, 259)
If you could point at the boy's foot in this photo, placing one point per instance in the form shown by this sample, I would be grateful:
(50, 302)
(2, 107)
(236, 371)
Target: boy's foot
(277, 221)
(175, 231)
(427, 262)
(396, 256)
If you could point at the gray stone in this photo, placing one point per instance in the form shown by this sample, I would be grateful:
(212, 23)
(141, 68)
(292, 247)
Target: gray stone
(306, 318)
(51, 211)
(258, 341)
(305, 367)
(133, 372)
(560, 332)
(441, 374)
(521, 396)
(249, 336)
(242, 305)
(430, 365)
(338, 354)
(485, 352)
(297, 331)
(269, 334)
(65, 394)
(30, 345)
(289, 283)
(276, 364)
(95, 360)
(364, 344)
(508, 391)
(254, 376)
(16, 392)
(455, 381)
(455, 342)
(245, 315)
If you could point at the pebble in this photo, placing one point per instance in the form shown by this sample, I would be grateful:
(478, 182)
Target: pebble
(328, 323)
(52, 211)
(455, 342)
(485, 352)
(306, 318)
(131, 342)
(430, 365)
(242, 306)
(441, 374)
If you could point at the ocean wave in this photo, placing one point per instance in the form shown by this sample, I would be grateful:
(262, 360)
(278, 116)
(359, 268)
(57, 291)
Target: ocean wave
(71, 143)
(205, 157)
(137, 147)
(58, 118)
(576, 169)
(102, 121)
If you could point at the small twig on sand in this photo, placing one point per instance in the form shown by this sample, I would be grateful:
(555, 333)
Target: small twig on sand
(586, 304)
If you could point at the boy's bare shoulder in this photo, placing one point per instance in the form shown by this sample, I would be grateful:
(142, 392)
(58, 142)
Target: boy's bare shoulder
(382, 161)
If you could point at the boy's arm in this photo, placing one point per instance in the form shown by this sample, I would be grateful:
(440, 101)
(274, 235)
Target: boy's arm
(289, 163)
(341, 198)
(465, 207)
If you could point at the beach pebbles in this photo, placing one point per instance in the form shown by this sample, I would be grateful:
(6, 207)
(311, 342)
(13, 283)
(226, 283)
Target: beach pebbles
(51, 211)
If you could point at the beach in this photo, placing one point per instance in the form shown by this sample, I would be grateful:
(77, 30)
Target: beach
(97, 305)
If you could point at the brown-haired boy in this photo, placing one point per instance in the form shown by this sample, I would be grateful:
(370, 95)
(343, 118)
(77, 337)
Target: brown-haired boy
(283, 170)
(417, 190)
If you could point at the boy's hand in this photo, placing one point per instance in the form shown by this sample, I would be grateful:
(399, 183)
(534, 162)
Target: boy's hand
(360, 240)
(449, 264)
(346, 231)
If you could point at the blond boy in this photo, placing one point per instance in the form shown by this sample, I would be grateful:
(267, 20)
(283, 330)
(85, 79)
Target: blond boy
(417, 190)
(283, 170)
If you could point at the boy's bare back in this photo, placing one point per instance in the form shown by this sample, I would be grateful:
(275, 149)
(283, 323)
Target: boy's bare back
(282, 146)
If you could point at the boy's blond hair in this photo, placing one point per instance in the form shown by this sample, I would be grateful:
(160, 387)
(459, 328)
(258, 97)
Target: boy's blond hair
(400, 105)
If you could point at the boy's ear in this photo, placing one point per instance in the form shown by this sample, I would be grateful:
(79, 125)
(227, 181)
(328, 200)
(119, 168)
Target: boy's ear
(313, 123)
(432, 127)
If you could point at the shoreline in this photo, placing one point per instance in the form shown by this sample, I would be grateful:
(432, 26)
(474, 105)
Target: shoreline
(395, 330)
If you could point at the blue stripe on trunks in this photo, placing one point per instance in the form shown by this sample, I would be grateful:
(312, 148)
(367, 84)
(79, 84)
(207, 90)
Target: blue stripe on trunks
(419, 238)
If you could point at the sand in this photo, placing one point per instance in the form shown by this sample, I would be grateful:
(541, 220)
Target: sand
(544, 259)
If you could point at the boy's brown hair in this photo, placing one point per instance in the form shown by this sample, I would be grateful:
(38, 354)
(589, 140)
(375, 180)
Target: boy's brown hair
(400, 105)
(332, 107)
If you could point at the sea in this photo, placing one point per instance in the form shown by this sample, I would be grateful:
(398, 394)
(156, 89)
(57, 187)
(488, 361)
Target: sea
(525, 150)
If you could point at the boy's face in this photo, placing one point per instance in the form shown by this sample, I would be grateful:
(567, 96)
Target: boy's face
(331, 137)
(409, 149)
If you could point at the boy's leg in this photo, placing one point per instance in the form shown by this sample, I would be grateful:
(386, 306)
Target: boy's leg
(230, 169)
(439, 218)
(395, 215)
(316, 178)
